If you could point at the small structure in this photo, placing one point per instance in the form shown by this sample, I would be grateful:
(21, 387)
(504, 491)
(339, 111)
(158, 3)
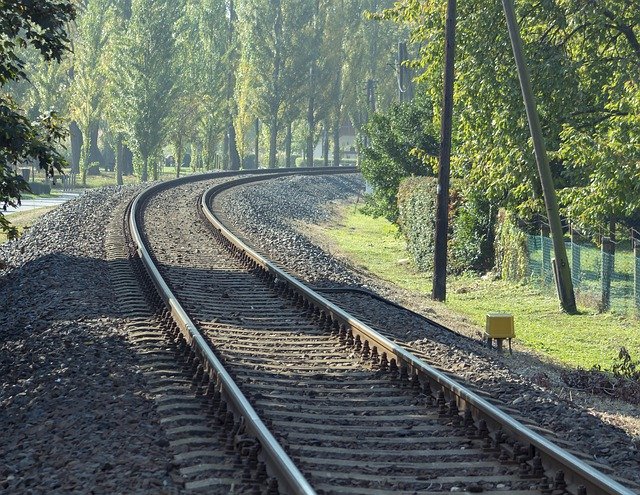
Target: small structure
(499, 327)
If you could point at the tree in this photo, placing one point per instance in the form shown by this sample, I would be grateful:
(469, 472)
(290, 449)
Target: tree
(40, 26)
(89, 78)
(583, 59)
(148, 85)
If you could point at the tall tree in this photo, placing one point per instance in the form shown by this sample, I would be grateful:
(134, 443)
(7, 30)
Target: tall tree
(148, 85)
(89, 78)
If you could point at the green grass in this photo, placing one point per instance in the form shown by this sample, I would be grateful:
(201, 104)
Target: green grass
(25, 219)
(583, 340)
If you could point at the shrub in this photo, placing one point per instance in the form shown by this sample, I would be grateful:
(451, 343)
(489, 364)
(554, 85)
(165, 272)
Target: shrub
(511, 248)
(417, 213)
(399, 144)
(471, 247)
(40, 188)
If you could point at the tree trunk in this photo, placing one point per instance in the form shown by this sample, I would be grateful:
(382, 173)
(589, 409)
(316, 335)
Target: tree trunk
(336, 142)
(119, 160)
(145, 169)
(234, 156)
(273, 141)
(325, 145)
(225, 152)
(256, 146)
(310, 138)
(287, 147)
(127, 161)
(76, 146)
(178, 150)
(155, 169)
(95, 156)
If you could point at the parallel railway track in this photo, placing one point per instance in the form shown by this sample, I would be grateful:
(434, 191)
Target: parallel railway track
(304, 397)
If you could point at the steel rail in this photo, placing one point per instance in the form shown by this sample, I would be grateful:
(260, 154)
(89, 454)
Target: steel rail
(576, 471)
(290, 479)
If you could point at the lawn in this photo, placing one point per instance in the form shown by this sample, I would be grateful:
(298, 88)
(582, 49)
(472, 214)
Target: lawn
(25, 219)
(584, 340)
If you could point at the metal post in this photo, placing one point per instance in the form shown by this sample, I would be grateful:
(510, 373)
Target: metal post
(567, 297)
(545, 260)
(439, 292)
(606, 272)
(636, 272)
(576, 261)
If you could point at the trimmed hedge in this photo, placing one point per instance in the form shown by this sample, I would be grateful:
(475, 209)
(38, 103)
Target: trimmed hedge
(40, 188)
(416, 218)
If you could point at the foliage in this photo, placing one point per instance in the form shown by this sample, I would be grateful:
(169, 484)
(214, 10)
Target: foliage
(147, 86)
(417, 214)
(511, 248)
(583, 59)
(471, 246)
(399, 143)
(39, 26)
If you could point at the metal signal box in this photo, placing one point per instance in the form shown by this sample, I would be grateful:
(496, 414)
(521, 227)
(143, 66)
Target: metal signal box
(500, 326)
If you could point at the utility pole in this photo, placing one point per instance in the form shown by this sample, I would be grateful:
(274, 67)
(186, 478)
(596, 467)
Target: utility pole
(439, 292)
(562, 269)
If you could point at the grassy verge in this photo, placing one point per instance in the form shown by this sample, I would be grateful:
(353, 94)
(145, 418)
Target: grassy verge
(583, 340)
(25, 219)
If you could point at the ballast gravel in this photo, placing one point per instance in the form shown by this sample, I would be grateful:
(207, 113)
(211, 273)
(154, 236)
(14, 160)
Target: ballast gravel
(74, 417)
(270, 214)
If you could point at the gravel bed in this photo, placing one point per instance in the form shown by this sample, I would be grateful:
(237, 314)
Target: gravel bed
(270, 213)
(74, 416)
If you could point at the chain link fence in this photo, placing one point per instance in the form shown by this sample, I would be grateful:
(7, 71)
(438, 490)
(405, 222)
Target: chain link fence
(605, 277)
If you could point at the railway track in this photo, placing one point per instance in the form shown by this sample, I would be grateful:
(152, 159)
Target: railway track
(301, 397)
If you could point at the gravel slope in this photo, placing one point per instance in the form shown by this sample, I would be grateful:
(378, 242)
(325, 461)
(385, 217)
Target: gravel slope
(73, 411)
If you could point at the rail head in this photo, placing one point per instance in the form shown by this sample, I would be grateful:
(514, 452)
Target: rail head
(577, 471)
(290, 478)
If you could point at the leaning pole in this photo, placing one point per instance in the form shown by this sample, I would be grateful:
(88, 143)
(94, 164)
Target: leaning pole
(562, 270)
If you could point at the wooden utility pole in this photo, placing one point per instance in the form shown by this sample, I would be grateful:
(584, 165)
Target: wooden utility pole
(564, 283)
(439, 292)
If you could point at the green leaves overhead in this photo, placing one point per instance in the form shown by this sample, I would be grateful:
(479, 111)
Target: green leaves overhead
(584, 62)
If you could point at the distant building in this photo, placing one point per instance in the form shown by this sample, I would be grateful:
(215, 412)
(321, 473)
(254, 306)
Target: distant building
(348, 149)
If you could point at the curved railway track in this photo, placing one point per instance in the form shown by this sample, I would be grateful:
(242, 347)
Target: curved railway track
(289, 393)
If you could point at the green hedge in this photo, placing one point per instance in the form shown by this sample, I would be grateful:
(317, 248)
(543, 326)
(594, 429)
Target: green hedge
(40, 188)
(471, 226)
(472, 233)
(417, 214)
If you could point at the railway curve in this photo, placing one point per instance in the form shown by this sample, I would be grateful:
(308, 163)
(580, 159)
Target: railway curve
(330, 405)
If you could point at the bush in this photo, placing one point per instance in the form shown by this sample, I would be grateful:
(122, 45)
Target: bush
(417, 214)
(471, 247)
(511, 248)
(249, 162)
(40, 188)
(399, 145)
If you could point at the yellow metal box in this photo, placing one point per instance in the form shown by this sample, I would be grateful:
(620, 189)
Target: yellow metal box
(500, 326)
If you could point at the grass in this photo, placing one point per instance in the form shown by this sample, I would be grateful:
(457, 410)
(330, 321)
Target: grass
(582, 340)
(25, 219)
(105, 179)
